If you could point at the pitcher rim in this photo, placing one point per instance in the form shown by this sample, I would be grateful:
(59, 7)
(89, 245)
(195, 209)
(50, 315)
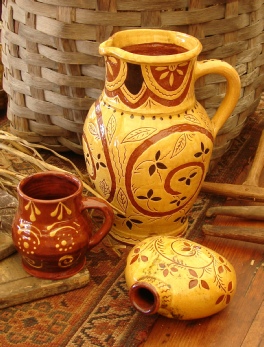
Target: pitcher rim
(138, 36)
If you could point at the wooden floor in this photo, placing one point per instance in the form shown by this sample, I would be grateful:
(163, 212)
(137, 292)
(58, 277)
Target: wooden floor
(241, 324)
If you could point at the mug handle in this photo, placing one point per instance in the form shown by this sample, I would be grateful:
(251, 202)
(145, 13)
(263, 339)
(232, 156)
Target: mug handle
(98, 204)
(232, 93)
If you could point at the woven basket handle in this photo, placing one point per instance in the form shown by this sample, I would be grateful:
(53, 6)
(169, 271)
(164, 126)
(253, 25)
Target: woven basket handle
(232, 92)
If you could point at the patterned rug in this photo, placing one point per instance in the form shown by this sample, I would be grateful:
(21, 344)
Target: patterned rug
(100, 314)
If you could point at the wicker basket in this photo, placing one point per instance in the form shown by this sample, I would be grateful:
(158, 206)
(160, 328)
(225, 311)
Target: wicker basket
(3, 96)
(53, 72)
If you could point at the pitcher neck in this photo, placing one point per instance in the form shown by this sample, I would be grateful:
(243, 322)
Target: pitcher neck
(149, 88)
(150, 70)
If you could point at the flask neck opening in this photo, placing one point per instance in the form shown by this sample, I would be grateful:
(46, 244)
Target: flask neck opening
(144, 298)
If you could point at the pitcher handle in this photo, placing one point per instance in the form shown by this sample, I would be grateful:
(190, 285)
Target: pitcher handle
(232, 93)
(98, 204)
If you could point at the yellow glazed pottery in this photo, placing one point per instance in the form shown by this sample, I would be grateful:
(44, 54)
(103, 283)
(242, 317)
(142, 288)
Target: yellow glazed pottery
(147, 141)
(178, 278)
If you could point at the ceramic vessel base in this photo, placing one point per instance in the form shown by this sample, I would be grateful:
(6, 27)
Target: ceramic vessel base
(54, 275)
(123, 237)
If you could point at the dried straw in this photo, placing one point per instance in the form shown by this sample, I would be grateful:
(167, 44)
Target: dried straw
(28, 152)
(12, 146)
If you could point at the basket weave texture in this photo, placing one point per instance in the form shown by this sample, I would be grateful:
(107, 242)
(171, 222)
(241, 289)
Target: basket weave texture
(3, 98)
(53, 71)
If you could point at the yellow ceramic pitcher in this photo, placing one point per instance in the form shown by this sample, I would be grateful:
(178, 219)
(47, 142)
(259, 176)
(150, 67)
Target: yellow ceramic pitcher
(147, 141)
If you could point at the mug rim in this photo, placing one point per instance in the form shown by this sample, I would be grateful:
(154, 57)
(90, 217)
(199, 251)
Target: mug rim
(70, 177)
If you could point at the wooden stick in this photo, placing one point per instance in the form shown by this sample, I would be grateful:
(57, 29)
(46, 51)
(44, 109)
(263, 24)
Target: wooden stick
(249, 212)
(236, 191)
(249, 190)
(247, 234)
(257, 165)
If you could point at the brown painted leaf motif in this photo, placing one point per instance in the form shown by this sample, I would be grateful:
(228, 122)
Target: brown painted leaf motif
(111, 128)
(198, 154)
(193, 273)
(134, 259)
(192, 118)
(220, 299)
(221, 259)
(204, 284)
(152, 169)
(122, 199)
(230, 286)
(174, 269)
(144, 258)
(136, 221)
(161, 166)
(138, 134)
(187, 247)
(227, 268)
(157, 155)
(193, 283)
(220, 269)
(120, 215)
(165, 272)
(129, 224)
(179, 145)
(150, 193)
(92, 129)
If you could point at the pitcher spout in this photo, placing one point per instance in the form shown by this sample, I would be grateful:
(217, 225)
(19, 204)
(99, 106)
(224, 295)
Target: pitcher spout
(149, 70)
(144, 45)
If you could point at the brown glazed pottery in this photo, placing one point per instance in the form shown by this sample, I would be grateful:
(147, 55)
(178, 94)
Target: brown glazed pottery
(147, 141)
(50, 229)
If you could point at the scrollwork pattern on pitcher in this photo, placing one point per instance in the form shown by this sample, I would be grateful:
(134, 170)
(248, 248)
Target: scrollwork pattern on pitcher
(120, 181)
(169, 178)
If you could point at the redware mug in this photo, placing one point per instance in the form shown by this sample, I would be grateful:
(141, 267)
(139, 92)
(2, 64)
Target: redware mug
(50, 229)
